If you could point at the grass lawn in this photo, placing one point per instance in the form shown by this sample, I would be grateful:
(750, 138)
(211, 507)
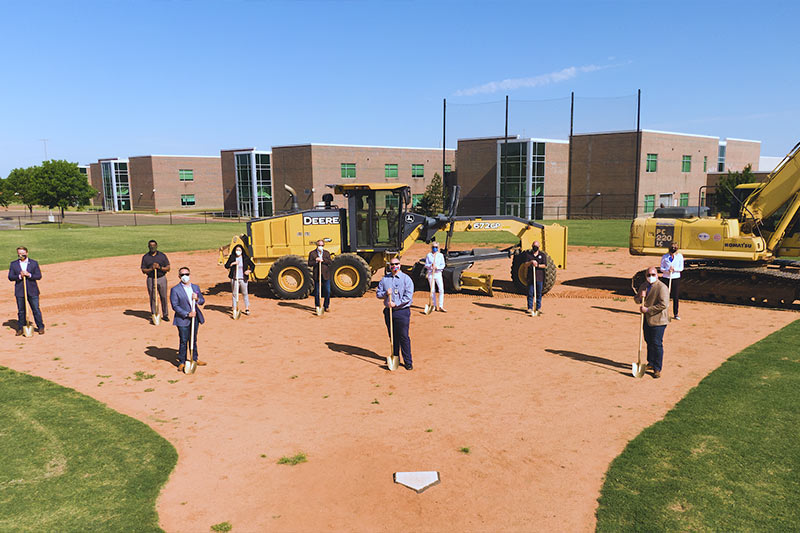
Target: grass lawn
(725, 458)
(52, 245)
(581, 233)
(69, 463)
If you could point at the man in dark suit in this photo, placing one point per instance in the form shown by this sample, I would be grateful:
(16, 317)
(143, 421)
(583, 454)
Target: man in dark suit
(25, 270)
(321, 258)
(537, 261)
(185, 297)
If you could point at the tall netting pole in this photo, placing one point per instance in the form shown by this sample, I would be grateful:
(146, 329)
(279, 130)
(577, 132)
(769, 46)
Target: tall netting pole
(569, 163)
(444, 135)
(638, 153)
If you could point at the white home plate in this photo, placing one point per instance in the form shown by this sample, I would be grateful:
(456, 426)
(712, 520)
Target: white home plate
(418, 481)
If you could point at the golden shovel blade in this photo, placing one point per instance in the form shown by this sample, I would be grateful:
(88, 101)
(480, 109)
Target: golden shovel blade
(638, 369)
(393, 361)
(236, 314)
(189, 367)
(27, 330)
(428, 309)
(156, 319)
(320, 311)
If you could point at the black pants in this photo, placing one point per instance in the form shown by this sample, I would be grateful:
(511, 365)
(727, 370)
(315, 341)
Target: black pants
(673, 293)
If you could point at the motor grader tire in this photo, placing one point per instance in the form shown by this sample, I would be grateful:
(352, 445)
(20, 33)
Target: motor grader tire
(290, 278)
(350, 276)
(520, 277)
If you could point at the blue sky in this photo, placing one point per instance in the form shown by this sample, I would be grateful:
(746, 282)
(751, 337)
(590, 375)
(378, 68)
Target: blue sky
(106, 79)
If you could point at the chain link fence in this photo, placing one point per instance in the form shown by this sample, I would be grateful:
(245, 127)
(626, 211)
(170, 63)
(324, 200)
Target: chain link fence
(18, 220)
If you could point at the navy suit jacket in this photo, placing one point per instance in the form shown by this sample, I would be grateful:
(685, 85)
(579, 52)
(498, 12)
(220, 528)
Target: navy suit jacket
(13, 275)
(182, 307)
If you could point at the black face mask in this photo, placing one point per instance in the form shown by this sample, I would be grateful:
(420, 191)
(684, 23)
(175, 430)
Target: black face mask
(535, 249)
(153, 249)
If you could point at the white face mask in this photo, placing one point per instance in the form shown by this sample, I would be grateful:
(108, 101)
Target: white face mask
(652, 279)
(185, 278)
(238, 253)
(319, 248)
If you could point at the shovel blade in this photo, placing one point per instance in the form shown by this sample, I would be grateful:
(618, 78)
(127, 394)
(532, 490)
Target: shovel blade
(393, 361)
(428, 309)
(27, 331)
(236, 314)
(190, 367)
(156, 320)
(320, 311)
(637, 369)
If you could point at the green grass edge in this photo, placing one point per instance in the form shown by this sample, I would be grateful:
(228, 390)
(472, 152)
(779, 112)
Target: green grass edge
(725, 458)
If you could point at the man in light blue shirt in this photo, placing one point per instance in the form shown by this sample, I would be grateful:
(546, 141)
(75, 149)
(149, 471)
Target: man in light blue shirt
(397, 292)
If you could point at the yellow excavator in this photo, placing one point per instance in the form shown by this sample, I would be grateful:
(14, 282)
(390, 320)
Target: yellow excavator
(376, 224)
(745, 259)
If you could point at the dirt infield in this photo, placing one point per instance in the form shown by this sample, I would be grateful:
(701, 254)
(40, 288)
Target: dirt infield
(543, 404)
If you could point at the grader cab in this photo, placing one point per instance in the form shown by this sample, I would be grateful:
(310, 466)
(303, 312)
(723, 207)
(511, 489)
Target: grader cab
(375, 224)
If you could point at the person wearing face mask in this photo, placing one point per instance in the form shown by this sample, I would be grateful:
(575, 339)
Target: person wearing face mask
(186, 298)
(155, 266)
(239, 267)
(26, 270)
(653, 300)
(434, 264)
(537, 261)
(321, 258)
(397, 291)
(671, 268)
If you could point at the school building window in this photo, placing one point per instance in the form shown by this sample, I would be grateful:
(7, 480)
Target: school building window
(649, 203)
(187, 200)
(686, 163)
(416, 199)
(447, 168)
(684, 199)
(417, 171)
(348, 170)
(186, 175)
(652, 163)
(390, 170)
(705, 163)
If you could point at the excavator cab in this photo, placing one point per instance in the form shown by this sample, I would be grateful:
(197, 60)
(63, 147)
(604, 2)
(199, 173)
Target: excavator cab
(375, 216)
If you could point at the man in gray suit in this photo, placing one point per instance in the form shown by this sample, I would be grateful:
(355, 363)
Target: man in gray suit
(653, 300)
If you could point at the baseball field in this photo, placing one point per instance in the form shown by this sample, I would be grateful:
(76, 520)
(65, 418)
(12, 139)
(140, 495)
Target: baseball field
(296, 425)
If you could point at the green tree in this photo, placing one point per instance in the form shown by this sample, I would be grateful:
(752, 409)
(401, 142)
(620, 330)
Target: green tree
(723, 197)
(5, 196)
(59, 183)
(432, 202)
(20, 187)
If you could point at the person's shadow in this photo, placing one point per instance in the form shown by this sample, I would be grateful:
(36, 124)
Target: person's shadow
(615, 310)
(138, 314)
(296, 305)
(368, 356)
(594, 360)
(170, 355)
(225, 309)
(501, 307)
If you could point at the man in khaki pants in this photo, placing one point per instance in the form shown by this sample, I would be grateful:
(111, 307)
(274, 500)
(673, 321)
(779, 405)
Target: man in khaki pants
(653, 300)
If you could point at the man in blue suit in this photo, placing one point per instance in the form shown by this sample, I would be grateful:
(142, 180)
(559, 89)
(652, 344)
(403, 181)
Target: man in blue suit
(184, 298)
(25, 270)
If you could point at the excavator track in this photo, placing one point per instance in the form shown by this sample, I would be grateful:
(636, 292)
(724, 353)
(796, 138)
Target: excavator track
(775, 284)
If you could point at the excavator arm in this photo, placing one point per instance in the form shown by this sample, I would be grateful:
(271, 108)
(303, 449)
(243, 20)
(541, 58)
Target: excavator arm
(782, 188)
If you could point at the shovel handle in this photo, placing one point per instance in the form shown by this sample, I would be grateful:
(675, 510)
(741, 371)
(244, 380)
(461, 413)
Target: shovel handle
(641, 334)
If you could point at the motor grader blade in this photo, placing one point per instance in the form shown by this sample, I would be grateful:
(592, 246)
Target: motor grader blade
(481, 283)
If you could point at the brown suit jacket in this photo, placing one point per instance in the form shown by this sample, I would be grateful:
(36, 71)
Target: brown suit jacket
(326, 263)
(657, 303)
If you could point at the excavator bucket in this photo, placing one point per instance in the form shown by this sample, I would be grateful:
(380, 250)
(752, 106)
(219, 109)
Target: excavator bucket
(477, 282)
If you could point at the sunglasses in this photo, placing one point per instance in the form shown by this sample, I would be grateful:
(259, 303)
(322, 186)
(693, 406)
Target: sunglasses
(395, 264)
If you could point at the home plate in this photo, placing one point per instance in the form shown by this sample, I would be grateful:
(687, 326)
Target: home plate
(418, 481)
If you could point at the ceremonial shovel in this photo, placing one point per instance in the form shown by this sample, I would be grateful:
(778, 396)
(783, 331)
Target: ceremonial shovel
(669, 299)
(392, 361)
(429, 307)
(191, 365)
(236, 311)
(320, 309)
(27, 329)
(637, 368)
(157, 314)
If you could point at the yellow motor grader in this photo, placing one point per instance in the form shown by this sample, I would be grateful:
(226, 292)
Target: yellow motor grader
(376, 224)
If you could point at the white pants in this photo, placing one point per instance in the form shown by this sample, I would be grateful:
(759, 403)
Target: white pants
(237, 284)
(436, 280)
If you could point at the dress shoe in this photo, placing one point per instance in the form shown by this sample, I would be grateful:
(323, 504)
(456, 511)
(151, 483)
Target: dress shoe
(19, 333)
(676, 317)
(41, 331)
(442, 309)
(200, 363)
(181, 367)
(247, 311)
(409, 367)
(327, 310)
(656, 374)
(165, 318)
